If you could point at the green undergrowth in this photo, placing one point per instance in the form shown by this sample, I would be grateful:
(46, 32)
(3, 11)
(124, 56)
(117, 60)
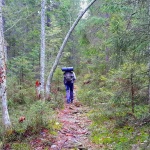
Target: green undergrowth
(119, 105)
(117, 131)
(19, 146)
(38, 116)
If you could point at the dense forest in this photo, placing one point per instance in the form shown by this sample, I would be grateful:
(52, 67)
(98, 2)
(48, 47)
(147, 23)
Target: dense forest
(107, 43)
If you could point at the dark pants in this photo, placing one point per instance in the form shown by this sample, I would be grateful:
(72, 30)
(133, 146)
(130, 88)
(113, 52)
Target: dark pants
(69, 92)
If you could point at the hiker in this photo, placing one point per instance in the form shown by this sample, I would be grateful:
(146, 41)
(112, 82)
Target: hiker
(69, 78)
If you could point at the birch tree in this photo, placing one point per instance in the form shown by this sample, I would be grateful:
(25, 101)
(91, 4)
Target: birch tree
(48, 83)
(3, 89)
(42, 56)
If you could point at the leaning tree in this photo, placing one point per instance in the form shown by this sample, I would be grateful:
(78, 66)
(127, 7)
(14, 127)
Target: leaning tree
(49, 79)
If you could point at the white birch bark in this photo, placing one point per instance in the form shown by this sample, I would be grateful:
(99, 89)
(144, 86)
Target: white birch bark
(48, 83)
(3, 89)
(5, 50)
(42, 56)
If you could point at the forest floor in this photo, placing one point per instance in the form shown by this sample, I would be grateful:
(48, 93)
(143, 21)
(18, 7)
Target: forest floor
(74, 133)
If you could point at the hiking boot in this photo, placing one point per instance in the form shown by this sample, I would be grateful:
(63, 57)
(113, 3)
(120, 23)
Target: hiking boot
(68, 101)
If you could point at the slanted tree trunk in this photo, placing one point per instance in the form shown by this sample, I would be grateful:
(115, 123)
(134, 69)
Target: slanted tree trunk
(3, 89)
(42, 56)
(49, 79)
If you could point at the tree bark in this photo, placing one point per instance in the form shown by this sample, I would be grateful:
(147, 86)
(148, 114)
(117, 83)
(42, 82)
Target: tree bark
(49, 79)
(3, 89)
(149, 86)
(149, 61)
(132, 92)
(42, 56)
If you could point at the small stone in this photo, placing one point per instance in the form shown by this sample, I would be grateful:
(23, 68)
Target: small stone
(54, 147)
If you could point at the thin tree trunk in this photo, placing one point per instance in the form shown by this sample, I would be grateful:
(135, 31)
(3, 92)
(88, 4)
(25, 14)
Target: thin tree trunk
(48, 19)
(106, 48)
(132, 92)
(149, 61)
(107, 59)
(149, 86)
(42, 56)
(3, 89)
(61, 49)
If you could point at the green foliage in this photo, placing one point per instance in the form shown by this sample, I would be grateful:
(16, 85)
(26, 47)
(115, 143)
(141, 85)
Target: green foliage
(116, 24)
(21, 67)
(94, 21)
(21, 94)
(142, 111)
(53, 127)
(38, 115)
(104, 130)
(58, 76)
(19, 146)
(114, 126)
(110, 50)
(56, 89)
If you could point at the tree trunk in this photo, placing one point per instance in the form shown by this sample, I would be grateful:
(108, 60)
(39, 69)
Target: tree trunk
(3, 89)
(42, 56)
(132, 92)
(149, 86)
(149, 61)
(61, 49)
(48, 18)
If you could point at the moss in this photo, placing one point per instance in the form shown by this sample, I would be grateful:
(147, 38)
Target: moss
(19, 146)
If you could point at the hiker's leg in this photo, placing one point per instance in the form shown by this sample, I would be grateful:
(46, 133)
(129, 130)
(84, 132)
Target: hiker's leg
(71, 92)
(67, 93)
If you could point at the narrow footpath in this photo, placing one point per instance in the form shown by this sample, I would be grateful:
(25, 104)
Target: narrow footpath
(74, 134)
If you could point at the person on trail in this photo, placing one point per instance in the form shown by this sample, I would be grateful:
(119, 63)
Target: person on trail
(69, 78)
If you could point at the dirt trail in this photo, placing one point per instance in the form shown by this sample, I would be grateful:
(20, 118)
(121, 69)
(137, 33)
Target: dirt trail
(74, 133)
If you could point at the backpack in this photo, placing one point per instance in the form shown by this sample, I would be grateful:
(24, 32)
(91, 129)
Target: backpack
(68, 76)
